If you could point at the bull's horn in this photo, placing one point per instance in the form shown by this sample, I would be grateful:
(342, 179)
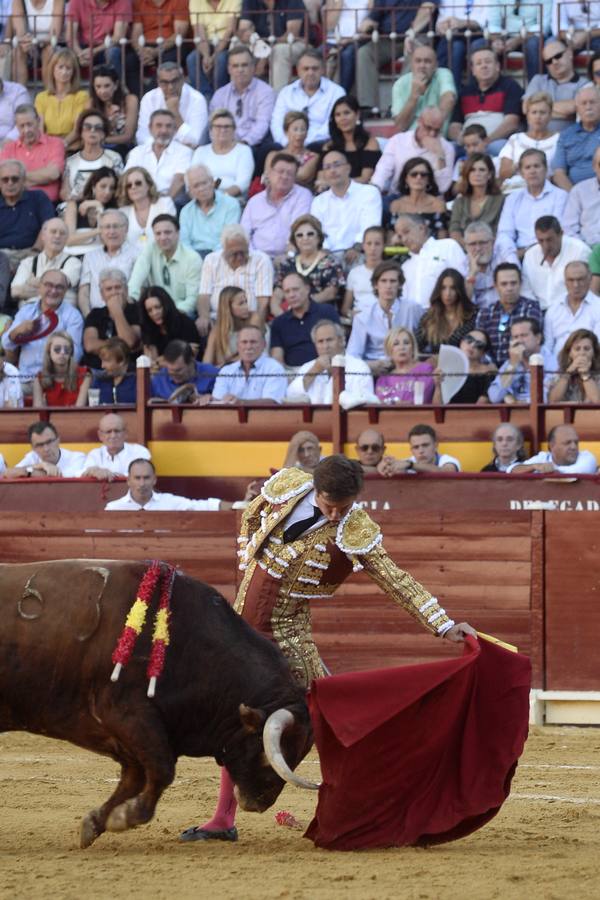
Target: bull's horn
(275, 725)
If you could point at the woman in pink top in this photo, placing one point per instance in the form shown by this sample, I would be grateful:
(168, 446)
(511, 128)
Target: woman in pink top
(409, 380)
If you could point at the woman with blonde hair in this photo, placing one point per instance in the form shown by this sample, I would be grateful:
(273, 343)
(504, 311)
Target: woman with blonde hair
(303, 452)
(61, 381)
(61, 103)
(137, 197)
(409, 380)
(537, 136)
(233, 314)
(295, 128)
(579, 365)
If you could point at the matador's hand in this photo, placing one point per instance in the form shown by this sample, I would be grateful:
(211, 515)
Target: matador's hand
(458, 633)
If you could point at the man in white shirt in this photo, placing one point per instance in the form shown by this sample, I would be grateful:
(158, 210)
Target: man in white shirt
(46, 457)
(115, 455)
(563, 455)
(53, 236)
(425, 141)
(187, 105)
(115, 253)
(347, 209)
(314, 382)
(312, 93)
(164, 157)
(580, 308)
(544, 263)
(428, 258)
(141, 481)
(254, 376)
(582, 211)
(424, 457)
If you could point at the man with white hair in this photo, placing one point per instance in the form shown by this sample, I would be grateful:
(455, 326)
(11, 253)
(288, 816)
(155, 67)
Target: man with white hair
(115, 454)
(115, 252)
(234, 266)
(483, 255)
(254, 376)
(428, 257)
(577, 143)
(186, 104)
(162, 155)
(203, 219)
(53, 236)
(116, 318)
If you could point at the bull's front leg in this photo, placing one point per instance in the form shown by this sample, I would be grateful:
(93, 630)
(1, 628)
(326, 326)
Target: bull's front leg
(133, 779)
(140, 809)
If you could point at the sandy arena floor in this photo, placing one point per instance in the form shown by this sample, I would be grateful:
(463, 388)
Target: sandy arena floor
(544, 844)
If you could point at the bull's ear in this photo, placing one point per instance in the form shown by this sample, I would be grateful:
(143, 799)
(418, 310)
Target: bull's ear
(252, 719)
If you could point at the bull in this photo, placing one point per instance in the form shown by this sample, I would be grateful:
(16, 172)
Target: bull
(223, 690)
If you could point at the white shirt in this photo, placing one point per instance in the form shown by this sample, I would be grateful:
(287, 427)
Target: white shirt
(516, 145)
(345, 219)
(235, 168)
(255, 278)
(303, 510)
(2, 463)
(138, 236)
(358, 385)
(359, 282)
(11, 393)
(119, 464)
(317, 107)
(166, 502)
(192, 108)
(70, 462)
(421, 270)
(369, 329)
(521, 210)
(442, 459)
(560, 321)
(585, 465)
(32, 353)
(174, 160)
(97, 260)
(543, 280)
(64, 261)
(267, 381)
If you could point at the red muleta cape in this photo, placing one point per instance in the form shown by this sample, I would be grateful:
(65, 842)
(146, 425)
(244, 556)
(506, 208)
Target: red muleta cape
(420, 754)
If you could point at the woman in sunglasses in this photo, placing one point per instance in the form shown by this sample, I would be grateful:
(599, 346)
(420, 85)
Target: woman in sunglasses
(61, 381)
(450, 316)
(91, 129)
(138, 198)
(82, 216)
(476, 347)
(419, 193)
(326, 275)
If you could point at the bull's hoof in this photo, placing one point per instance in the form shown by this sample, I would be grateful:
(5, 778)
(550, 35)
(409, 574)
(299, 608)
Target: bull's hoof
(119, 819)
(90, 829)
(204, 834)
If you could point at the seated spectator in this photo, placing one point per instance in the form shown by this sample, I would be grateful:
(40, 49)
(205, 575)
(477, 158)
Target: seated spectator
(512, 384)
(291, 342)
(496, 320)
(53, 237)
(268, 216)
(155, 34)
(138, 198)
(165, 158)
(370, 447)
(26, 338)
(474, 141)
(253, 377)
(42, 155)
(115, 252)
(12, 95)
(479, 198)
(346, 209)
(295, 129)
(488, 98)
(117, 317)
(324, 272)
(213, 26)
(575, 309)
(561, 83)
(507, 447)
(284, 19)
(482, 258)
(89, 25)
(425, 85)
(115, 454)
(303, 452)
(418, 194)
(544, 263)
(141, 481)
(538, 111)
(247, 97)
(578, 25)
(233, 314)
(11, 393)
(427, 258)
(456, 26)
(314, 381)
(359, 294)
(188, 107)
(563, 455)
(22, 214)
(165, 262)
(520, 28)
(234, 265)
(47, 459)
(427, 143)
(350, 136)
(312, 93)
(477, 348)
(341, 21)
(183, 377)
(37, 30)
(522, 208)
(118, 105)
(230, 161)
(116, 383)
(578, 380)
(451, 315)
(408, 381)
(203, 219)
(581, 217)
(61, 382)
(161, 322)
(392, 310)
(577, 143)
(82, 216)
(60, 104)
(424, 457)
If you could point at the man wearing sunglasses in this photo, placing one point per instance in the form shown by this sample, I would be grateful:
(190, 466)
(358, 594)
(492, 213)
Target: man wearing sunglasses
(47, 459)
(560, 81)
(497, 319)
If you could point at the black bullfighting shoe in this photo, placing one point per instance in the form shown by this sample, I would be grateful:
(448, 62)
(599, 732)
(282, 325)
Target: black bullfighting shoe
(203, 834)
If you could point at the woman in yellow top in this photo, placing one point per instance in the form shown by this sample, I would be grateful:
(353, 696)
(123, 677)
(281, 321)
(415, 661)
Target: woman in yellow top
(62, 101)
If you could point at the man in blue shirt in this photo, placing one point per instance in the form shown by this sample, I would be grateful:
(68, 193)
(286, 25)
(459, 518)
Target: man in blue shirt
(191, 381)
(291, 343)
(254, 377)
(577, 143)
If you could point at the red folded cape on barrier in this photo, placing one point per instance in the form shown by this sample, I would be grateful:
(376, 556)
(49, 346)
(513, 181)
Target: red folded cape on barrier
(420, 754)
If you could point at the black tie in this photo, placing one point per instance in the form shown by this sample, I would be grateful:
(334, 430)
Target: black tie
(298, 528)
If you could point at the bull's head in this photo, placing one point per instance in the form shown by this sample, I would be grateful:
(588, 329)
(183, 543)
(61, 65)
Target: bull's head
(263, 757)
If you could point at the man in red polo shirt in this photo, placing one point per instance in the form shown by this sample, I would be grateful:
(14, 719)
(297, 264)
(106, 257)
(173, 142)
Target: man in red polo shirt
(88, 23)
(42, 154)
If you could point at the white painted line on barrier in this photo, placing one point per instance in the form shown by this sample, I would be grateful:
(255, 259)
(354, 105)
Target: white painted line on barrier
(584, 801)
(557, 766)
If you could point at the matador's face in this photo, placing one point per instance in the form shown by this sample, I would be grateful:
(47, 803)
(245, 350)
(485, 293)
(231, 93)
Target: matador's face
(334, 510)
